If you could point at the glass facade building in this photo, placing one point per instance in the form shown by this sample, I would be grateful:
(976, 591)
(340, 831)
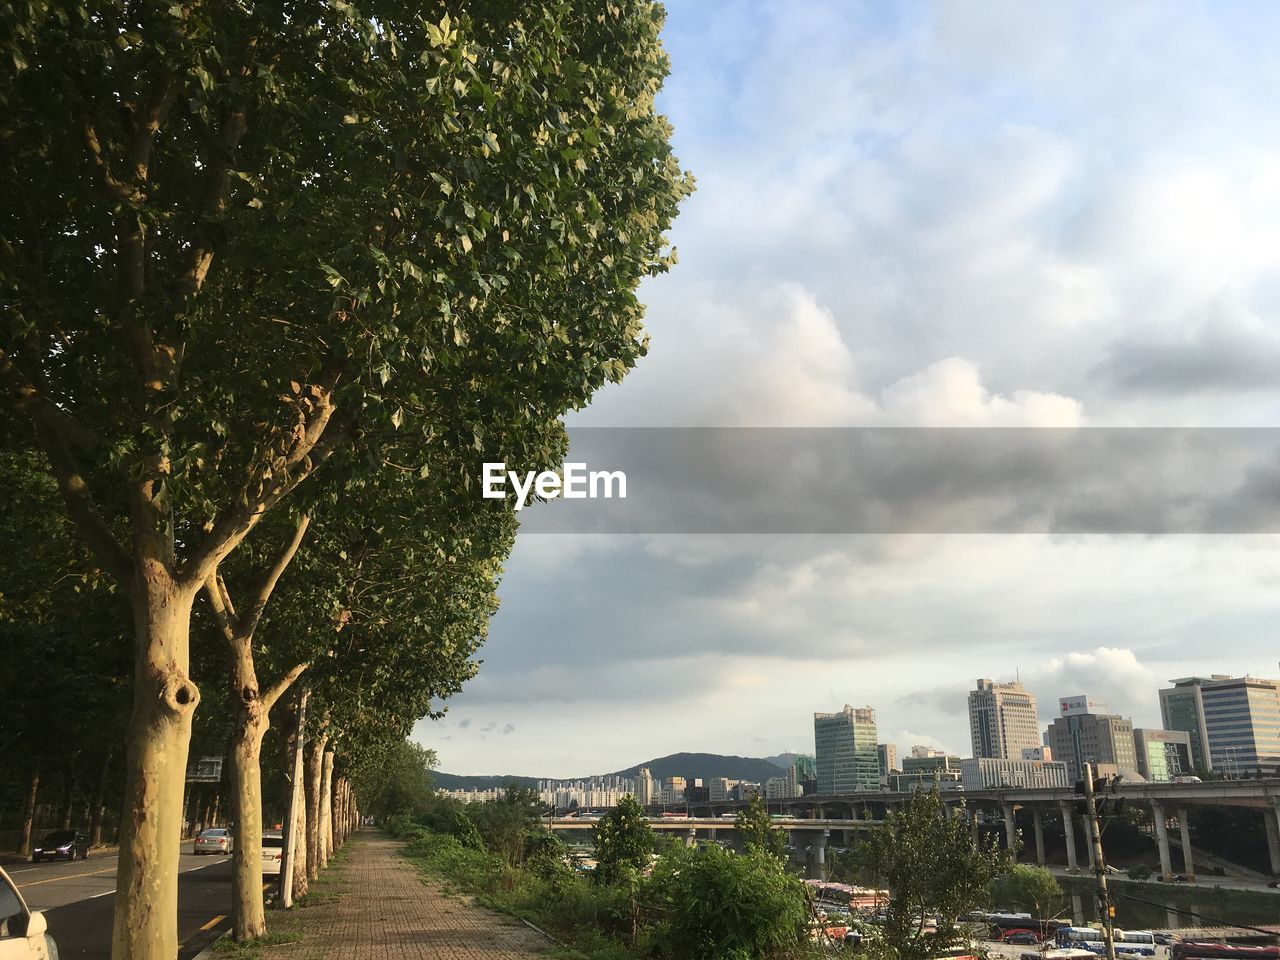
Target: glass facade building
(1242, 719)
(846, 757)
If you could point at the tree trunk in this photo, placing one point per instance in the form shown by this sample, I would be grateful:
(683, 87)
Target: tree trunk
(315, 763)
(99, 807)
(326, 810)
(293, 863)
(159, 734)
(68, 801)
(248, 912)
(29, 815)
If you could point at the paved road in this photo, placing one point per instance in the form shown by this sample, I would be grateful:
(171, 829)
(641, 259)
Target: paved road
(78, 899)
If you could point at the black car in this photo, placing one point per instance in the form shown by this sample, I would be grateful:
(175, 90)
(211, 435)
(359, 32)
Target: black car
(1024, 937)
(63, 845)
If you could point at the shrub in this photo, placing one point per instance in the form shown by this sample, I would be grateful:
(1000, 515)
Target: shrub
(708, 902)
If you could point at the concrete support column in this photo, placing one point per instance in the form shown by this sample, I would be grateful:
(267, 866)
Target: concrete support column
(711, 834)
(1188, 860)
(1010, 830)
(691, 837)
(1162, 841)
(1088, 842)
(973, 825)
(1037, 820)
(1273, 838)
(1069, 830)
(820, 855)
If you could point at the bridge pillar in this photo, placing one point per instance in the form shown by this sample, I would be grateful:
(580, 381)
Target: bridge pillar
(973, 825)
(1037, 819)
(819, 860)
(691, 837)
(1088, 842)
(1010, 830)
(1188, 859)
(1069, 830)
(1162, 841)
(1273, 837)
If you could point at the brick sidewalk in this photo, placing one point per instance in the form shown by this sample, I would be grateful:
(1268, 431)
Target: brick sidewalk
(387, 912)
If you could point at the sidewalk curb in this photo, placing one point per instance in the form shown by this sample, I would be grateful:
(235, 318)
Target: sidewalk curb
(207, 952)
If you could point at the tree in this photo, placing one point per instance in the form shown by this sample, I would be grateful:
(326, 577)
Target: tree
(623, 842)
(250, 257)
(1030, 888)
(713, 903)
(932, 868)
(756, 830)
(504, 822)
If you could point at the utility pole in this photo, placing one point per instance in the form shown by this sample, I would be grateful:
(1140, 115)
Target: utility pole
(1100, 865)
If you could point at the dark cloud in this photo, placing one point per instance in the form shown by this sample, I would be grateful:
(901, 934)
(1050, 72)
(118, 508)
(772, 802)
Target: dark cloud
(1222, 356)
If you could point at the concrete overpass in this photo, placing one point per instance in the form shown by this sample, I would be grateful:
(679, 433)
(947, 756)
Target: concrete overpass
(1169, 803)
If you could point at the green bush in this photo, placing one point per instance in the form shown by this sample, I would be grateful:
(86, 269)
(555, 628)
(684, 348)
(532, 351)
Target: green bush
(708, 902)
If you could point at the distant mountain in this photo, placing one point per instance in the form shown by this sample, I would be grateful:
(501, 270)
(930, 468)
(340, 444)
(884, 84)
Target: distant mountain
(451, 781)
(691, 766)
(783, 760)
(704, 766)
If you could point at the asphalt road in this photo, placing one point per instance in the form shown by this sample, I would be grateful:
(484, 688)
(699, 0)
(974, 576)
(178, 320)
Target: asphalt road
(78, 899)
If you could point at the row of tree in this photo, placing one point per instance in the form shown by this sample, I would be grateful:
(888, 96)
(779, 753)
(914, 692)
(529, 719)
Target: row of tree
(274, 282)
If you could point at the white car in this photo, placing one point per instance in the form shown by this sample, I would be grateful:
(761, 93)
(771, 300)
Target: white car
(272, 851)
(23, 934)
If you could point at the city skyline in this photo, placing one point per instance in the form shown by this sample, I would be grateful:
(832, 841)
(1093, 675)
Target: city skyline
(950, 215)
(1068, 704)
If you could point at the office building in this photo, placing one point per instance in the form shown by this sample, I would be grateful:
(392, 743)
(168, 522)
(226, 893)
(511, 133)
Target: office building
(846, 755)
(887, 754)
(718, 788)
(784, 787)
(1242, 720)
(1182, 708)
(984, 773)
(1083, 733)
(1002, 720)
(1162, 754)
(929, 761)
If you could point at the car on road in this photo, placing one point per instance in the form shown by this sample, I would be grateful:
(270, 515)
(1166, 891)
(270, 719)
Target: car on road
(23, 935)
(61, 845)
(213, 840)
(272, 852)
(1164, 939)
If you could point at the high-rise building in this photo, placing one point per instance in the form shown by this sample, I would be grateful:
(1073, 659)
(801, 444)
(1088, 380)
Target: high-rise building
(1182, 708)
(718, 788)
(921, 752)
(1084, 733)
(887, 755)
(1162, 754)
(846, 753)
(1242, 720)
(645, 791)
(1002, 720)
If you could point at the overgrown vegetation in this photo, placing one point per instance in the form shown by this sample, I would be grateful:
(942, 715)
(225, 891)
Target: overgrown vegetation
(695, 902)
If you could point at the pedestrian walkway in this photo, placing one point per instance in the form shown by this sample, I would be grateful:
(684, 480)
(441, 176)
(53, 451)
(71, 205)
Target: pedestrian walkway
(387, 912)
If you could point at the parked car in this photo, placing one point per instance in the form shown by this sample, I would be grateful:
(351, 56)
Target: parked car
(1024, 937)
(272, 852)
(23, 935)
(61, 845)
(1164, 939)
(213, 840)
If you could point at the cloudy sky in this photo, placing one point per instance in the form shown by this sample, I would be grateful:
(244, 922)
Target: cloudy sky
(950, 214)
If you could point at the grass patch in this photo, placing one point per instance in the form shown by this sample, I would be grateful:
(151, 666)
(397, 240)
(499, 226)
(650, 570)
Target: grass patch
(252, 949)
